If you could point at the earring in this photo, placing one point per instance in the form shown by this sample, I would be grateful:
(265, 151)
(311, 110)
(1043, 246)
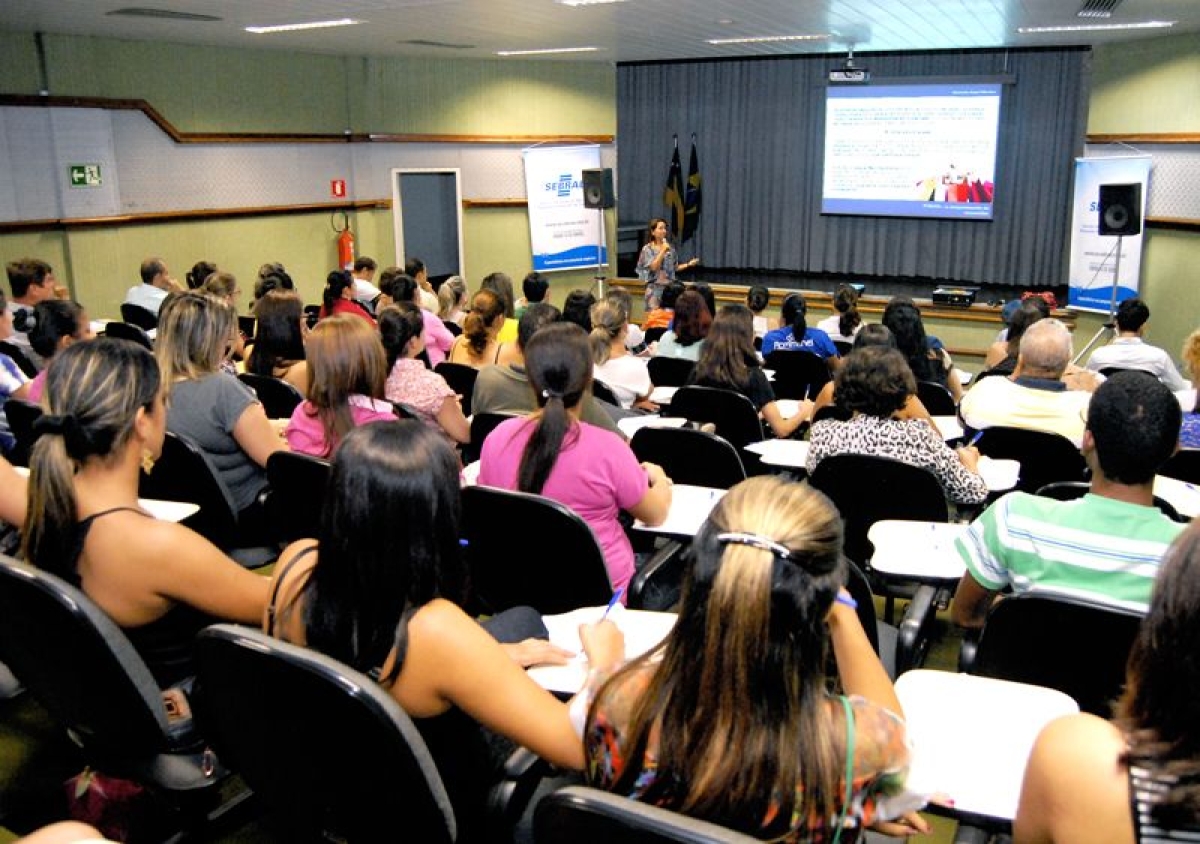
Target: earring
(147, 461)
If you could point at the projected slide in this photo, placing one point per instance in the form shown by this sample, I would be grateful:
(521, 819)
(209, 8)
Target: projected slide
(920, 150)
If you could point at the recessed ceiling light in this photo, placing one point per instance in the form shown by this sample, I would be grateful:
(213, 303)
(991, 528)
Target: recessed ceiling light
(587, 2)
(166, 14)
(547, 51)
(295, 27)
(768, 39)
(1095, 27)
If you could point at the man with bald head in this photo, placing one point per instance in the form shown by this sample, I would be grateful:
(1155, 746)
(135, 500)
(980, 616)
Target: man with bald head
(1034, 397)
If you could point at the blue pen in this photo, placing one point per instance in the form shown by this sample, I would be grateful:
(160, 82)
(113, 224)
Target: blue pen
(974, 439)
(847, 600)
(613, 602)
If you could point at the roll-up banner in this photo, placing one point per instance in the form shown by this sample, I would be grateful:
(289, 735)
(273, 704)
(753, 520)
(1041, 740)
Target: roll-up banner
(564, 235)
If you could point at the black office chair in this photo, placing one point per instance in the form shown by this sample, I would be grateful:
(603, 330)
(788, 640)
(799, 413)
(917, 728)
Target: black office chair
(82, 669)
(328, 751)
(21, 415)
(129, 331)
(1074, 646)
(1110, 371)
(936, 398)
(482, 424)
(278, 397)
(602, 392)
(298, 484)
(798, 375)
(184, 473)
(899, 648)
(1044, 458)
(843, 347)
(653, 335)
(581, 815)
(143, 318)
(669, 372)
(1071, 490)
(461, 379)
(531, 550)
(733, 415)
(248, 326)
(1184, 465)
(19, 358)
(690, 456)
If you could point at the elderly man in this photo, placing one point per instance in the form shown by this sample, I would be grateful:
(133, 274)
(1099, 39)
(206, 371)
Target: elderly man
(156, 285)
(1104, 547)
(1034, 397)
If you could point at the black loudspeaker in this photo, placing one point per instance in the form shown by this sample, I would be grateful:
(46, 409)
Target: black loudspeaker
(598, 188)
(1120, 209)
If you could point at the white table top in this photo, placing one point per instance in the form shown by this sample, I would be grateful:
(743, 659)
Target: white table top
(790, 453)
(630, 425)
(167, 511)
(948, 426)
(917, 550)
(971, 736)
(690, 506)
(643, 630)
(1183, 496)
(999, 475)
(663, 395)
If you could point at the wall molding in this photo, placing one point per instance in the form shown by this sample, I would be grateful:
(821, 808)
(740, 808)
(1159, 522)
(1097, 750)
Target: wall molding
(1146, 138)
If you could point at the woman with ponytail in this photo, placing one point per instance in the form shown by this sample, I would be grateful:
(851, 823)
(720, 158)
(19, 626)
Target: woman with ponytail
(553, 453)
(625, 374)
(105, 421)
(794, 335)
(54, 325)
(730, 719)
(478, 345)
(845, 323)
(338, 298)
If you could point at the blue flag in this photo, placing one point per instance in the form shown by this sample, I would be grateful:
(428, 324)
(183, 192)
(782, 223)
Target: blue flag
(673, 193)
(691, 197)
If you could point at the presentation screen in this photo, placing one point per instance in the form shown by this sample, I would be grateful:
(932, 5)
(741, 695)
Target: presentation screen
(911, 150)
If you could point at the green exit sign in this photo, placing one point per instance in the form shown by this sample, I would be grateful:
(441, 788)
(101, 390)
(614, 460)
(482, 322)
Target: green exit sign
(85, 175)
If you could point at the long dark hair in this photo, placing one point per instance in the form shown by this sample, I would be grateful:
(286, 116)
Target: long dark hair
(845, 302)
(559, 365)
(93, 393)
(1159, 710)
(278, 335)
(335, 283)
(903, 319)
(795, 313)
(398, 324)
(51, 321)
(728, 355)
(388, 542)
(738, 702)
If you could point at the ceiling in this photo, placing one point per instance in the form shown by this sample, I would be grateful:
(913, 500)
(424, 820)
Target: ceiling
(635, 30)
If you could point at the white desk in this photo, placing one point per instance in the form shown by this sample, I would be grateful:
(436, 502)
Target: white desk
(971, 736)
(999, 475)
(643, 630)
(792, 454)
(663, 395)
(1183, 496)
(690, 506)
(630, 425)
(167, 511)
(948, 426)
(917, 550)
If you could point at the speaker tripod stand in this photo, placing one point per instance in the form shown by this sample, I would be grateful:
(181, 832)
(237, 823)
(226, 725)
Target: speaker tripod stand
(1110, 325)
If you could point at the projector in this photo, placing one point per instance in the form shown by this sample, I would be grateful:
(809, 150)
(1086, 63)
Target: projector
(957, 297)
(850, 74)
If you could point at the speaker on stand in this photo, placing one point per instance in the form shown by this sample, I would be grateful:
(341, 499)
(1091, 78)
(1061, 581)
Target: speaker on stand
(598, 195)
(1120, 214)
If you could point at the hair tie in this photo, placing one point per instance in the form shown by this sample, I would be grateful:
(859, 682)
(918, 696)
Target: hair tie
(552, 394)
(755, 541)
(66, 425)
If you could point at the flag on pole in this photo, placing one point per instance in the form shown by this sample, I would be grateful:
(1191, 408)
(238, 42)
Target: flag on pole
(673, 193)
(691, 197)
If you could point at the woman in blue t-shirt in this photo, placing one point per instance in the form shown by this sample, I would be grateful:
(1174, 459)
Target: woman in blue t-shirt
(796, 336)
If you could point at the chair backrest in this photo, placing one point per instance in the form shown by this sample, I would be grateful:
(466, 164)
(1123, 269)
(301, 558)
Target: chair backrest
(868, 489)
(18, 357)
(732, 413)
(1110, 371)
(936, 398)
(21, 415)
(298, 483)
(602, 392)
(1070, 490)
(1075, 647)
(1184, 465)
(80, 666)
(798, 375)
(1044, 457)
(453, 327)
(844, 347)
(531, 550)
(690, 456)
(248, 326)
(669, 372)
(129, 331)
(278, 397)
(583, 815)
(184, 473)
(860, 590)
(143, 318)
(461, 379)
(653, 335)
(325, 748)
(482, 424)
(311, 314)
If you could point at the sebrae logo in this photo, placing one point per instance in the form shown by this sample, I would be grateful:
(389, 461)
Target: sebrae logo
(563, 187)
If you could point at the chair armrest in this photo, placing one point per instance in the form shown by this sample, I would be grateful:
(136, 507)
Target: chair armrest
(913, 639)
(966, 653)
(662, 558)
(508, 799)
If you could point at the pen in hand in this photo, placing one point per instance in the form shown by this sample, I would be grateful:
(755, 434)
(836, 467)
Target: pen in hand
(612, 602)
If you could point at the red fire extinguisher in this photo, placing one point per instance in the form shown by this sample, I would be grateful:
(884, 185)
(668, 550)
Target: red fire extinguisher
(345, 243)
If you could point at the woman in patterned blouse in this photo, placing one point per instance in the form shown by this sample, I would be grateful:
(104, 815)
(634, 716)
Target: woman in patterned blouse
(729, 720)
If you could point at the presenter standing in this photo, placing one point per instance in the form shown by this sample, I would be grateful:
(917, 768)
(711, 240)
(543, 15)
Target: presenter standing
(658, 262)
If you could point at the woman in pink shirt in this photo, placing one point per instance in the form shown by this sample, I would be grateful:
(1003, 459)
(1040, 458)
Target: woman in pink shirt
(553, 453)
(347, 367)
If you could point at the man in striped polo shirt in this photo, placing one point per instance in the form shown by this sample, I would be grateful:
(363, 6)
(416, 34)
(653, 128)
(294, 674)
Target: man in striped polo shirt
(1104, 547)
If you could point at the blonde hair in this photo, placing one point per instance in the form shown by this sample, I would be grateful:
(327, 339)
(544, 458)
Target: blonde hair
(221, 285)
(450, 295)
(345, 358)
(739, 733)
(608, 320)
(194, 334)
(1191, 354)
